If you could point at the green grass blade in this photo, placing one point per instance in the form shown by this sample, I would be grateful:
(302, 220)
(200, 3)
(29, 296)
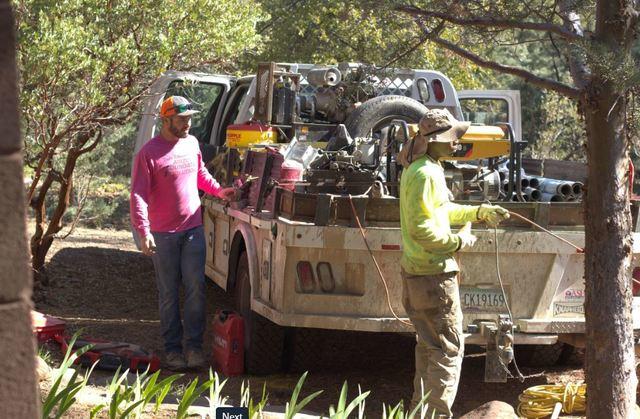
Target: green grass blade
(165, 387)
(342, 400)
(190, 395)
(55, 395)
(183, 404)
(149, 387)
(422, 407)
(255, 411)
(355, 403)
(113, 403)
(294, 397)
(361, 405)
(128, 410)
(97, 409)
(306, 401)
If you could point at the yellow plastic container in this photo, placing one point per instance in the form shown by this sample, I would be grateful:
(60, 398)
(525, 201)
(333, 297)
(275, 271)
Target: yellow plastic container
(250, 133)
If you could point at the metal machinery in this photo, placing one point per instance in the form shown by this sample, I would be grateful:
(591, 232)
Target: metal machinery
(319, 123)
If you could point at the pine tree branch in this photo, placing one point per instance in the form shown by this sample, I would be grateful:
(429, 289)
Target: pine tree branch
(490, 22)
(578, 68)
(562, 88)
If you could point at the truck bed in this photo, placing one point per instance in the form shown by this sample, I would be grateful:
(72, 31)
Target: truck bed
(542, 276)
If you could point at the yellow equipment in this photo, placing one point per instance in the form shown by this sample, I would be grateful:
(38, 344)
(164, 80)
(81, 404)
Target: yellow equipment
(479, 142)
(250, 133)
(482, 142)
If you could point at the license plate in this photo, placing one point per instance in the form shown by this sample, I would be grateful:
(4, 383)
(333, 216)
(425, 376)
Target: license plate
(482, 300)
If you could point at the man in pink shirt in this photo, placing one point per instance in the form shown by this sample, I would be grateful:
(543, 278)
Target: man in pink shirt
(165, 212)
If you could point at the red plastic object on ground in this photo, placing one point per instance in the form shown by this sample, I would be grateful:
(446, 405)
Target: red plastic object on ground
(111, 355)
(46, 327)
(228, 342)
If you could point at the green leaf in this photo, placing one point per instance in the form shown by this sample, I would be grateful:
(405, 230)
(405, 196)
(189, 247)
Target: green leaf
(63, 396)
(293, 407)
(97, 409)
(164, 387)
(191, 393)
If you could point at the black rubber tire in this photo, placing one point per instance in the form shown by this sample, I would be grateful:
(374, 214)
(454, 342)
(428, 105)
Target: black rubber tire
(263, 339)
(376, 113)
(303, 349)
(538, 355)
(571, 356)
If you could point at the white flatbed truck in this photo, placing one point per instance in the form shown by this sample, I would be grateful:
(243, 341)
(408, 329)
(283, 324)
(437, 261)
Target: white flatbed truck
(288, 272)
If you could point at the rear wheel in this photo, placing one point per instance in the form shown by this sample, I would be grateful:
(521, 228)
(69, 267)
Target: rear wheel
(572, 356)
(263, 339)
(538, 355)
(303, 349)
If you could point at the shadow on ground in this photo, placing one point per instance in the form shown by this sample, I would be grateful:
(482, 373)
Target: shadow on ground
(109, 290)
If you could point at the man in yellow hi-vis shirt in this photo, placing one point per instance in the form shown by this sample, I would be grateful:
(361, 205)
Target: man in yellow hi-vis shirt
(429, 269)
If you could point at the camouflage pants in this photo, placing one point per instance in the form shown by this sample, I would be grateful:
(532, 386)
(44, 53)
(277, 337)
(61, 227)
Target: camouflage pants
(433, 305)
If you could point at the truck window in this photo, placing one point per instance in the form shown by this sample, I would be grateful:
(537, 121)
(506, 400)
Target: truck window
(205, 98)
(232, 109)
(486, 111)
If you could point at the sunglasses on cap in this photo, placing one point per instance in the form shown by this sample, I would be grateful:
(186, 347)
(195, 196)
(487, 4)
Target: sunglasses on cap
(180, 108)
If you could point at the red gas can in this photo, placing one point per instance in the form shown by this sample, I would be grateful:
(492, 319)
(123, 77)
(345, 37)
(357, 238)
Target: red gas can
(228, 342)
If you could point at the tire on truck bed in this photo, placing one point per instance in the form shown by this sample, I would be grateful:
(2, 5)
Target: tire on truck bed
(263, 339)
(376, 113)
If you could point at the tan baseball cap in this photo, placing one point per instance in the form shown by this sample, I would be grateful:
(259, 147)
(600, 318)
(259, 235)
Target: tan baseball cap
(440, 126)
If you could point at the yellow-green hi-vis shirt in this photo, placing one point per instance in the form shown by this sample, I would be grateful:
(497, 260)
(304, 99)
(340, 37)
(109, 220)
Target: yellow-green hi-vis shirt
(426, 214)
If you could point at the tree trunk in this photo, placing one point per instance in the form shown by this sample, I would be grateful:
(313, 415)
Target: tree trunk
(610, 357)
(44, 234)
(610, 360)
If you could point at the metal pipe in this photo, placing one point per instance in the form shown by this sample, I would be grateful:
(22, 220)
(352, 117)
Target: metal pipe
(324, 76)
(577, 188)
(524, 182)
(554, 186)
(534, 182)
(550, 197)
(532, 194)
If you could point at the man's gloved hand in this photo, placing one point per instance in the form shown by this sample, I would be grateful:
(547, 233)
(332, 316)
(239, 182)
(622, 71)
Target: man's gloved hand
(492, 214)
(148, 245)
(466, 238)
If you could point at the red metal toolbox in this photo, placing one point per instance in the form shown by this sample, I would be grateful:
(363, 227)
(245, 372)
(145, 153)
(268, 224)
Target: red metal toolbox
(111, 355)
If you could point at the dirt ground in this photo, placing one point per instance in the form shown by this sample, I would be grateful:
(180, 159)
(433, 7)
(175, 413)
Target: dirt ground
(101, 283)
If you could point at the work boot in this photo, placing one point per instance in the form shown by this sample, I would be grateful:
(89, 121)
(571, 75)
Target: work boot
(195, 359)
(175, 361)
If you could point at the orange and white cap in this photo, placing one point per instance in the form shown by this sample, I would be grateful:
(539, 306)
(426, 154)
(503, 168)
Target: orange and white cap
(176, 105)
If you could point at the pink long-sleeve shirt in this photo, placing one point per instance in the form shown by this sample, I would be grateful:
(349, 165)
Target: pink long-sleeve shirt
(164, 186)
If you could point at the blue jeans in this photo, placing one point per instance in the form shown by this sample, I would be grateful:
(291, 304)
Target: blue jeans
(180, 259)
